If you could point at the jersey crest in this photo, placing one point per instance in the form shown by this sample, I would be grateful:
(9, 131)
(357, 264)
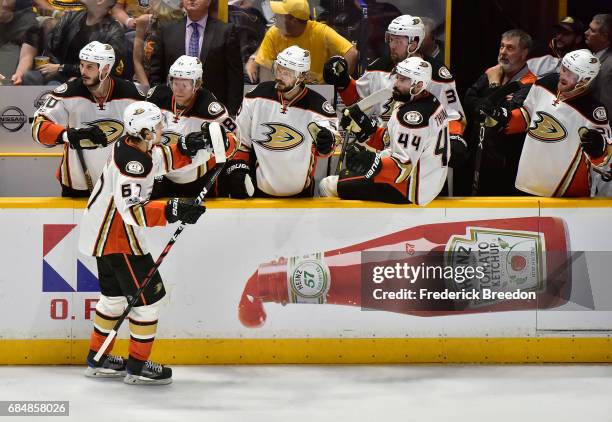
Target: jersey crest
(546, 128)
(281, 137)
(113, 129)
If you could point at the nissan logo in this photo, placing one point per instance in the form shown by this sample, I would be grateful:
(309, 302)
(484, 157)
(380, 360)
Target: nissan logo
(12, 119)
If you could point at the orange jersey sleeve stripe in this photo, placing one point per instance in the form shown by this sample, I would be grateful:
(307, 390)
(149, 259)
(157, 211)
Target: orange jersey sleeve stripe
(376, 140)
(517, 123)
(178, 159)
(349, 94)
(46, 132)
(155, 214)
(455, 127)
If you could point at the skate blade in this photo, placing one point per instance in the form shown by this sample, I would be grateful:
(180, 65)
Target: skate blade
(103, 373)
(138, 380)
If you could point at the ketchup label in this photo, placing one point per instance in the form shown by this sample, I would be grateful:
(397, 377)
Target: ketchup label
(308, 279)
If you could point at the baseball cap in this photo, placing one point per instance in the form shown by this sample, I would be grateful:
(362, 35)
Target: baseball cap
(570, 24)
(297, 8)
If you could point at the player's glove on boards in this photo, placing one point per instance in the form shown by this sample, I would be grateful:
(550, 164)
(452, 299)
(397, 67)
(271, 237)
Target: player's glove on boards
(184, 210)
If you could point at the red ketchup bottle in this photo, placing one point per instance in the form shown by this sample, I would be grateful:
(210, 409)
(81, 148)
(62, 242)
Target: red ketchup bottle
(516, 255)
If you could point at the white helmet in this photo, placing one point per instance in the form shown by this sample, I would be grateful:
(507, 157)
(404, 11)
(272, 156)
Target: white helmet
(418, 70)
(186, 67)
(294, 58)
(582, 63)
(407, 26)
(141, 115)
(96, 52)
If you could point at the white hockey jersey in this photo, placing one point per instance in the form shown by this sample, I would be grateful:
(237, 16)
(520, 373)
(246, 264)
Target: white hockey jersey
(379, 75)
(552, 162)
(205, 108)
(71, 105)
(277, 132)
(119, 209)
(417, 149)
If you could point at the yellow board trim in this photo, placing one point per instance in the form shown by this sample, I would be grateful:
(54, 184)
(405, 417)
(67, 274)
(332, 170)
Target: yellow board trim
(30, 154)
(327, 351)
(221, 203)
(447, 33)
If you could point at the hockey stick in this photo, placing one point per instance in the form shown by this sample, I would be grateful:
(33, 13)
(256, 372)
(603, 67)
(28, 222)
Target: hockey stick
(85, 170)
(493, 98)
(219, 151)
(364, 105)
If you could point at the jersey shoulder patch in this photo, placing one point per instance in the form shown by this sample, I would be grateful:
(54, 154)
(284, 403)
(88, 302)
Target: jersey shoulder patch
(439, 72)
(263, 90)
(207, 106)
(130, 161)
(590, 108)
(317, 103)
(127, 89)
(416, 114)
(74, 88)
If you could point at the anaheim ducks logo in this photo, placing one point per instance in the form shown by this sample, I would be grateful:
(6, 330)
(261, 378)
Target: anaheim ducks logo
(170, 138)
(387, 109)
(546, 128)
(113, 129)
(281, 137)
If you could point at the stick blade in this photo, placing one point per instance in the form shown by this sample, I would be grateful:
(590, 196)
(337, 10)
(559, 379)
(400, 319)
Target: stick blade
(216, 135)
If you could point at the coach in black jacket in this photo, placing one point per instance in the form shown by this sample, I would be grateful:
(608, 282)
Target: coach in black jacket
(219, 50)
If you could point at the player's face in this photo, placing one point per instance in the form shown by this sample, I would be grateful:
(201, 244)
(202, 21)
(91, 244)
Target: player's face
(567, 80)
(511, 56)
(89, 73)
(285, 78)
(288, 25)
(183, 90)
(401, 88)
(398, 47)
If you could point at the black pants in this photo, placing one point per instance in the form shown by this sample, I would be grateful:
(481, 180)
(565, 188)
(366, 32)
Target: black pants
(165, 188)
(122, 275)
(355, 186)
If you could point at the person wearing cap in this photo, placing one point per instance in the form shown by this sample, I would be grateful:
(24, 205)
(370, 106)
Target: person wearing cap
(568, 36)
(567, 130)
(214, 42)
(65, 41)
(294, 27)
(84, 116)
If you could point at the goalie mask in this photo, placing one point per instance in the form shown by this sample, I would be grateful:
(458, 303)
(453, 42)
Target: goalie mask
(584, 65)
(142, 116)
(410, 73)
(291, 68)
(411, 27)
(186, 67)
(102, 54)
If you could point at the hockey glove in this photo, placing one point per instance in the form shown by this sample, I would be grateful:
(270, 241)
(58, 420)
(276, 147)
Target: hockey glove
(86, 138)
(335, 72)
(184, 210)
(592, 142)
(360, 160)
(236, 181)
(324, 140)
(494, 116)
(459, 151)
(357, 122)
(190, 144)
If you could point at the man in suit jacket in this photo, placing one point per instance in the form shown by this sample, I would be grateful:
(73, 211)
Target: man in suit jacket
(598, 38)
(214, 42)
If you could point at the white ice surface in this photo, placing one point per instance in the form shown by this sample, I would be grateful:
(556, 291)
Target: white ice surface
(327, 393)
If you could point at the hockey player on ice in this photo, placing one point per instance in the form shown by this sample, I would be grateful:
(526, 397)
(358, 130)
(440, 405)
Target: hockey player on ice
(187, 106)
(404, 37)
(85, 114)
(408, 160)
(112, 229)
(568, 132)
(284, 128)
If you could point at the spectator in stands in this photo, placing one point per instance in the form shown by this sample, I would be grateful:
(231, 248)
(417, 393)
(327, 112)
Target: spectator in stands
(430, 46)
(499, 159)
(16, 17)
(250, 24)
(598, 39)
(294, 27)
(569, 36)
(163, 12)
(72, 33)
(214, 42)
